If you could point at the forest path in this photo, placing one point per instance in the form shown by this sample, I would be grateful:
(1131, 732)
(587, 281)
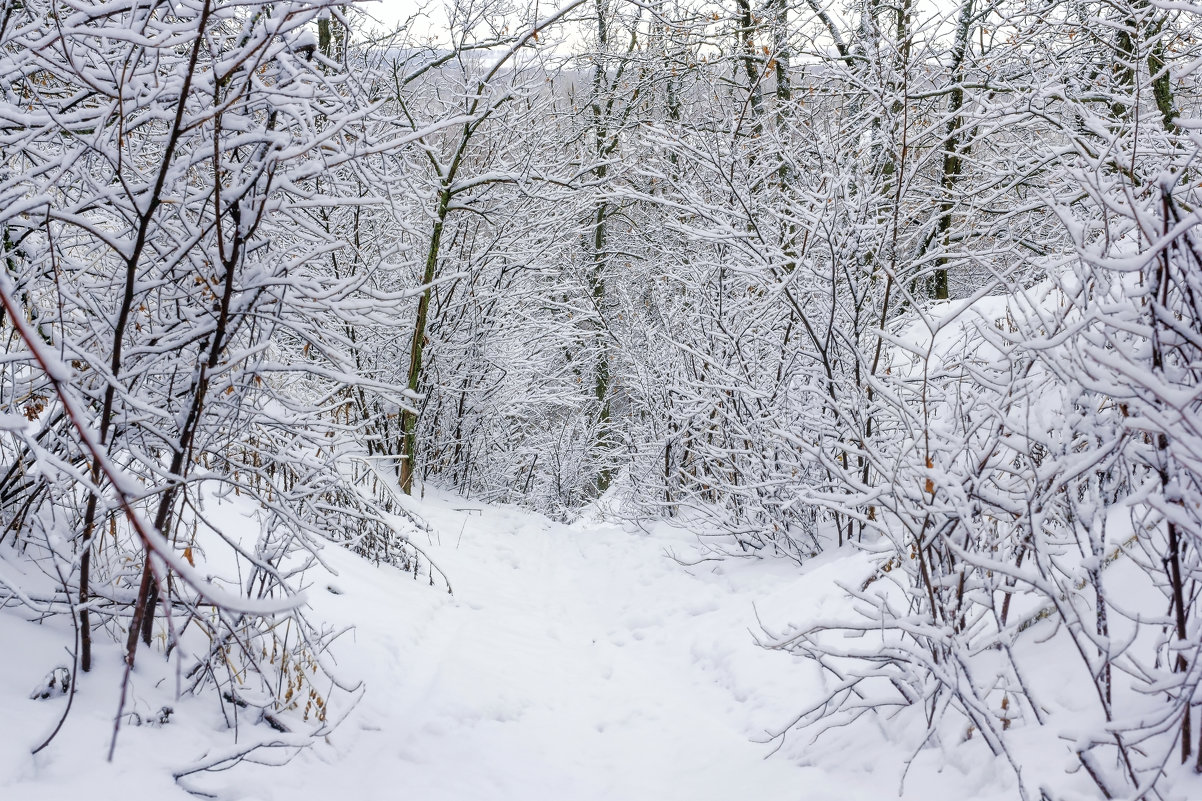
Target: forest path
(573, 663)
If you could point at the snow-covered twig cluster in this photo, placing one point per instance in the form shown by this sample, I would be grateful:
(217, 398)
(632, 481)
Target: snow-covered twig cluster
(182, 291)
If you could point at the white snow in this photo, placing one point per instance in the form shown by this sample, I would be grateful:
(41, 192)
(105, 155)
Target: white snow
(573, 663)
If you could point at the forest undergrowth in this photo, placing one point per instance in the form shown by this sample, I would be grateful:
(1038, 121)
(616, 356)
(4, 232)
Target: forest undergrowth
(923, 283)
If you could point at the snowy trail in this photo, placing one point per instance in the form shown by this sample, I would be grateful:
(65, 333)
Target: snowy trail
(573, 663)
(567, 666)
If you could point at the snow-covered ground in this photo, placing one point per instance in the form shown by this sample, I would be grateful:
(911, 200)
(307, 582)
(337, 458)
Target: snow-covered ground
(572, 663)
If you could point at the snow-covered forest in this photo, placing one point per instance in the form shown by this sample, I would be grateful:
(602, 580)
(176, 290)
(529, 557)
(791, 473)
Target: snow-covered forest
(585, 401)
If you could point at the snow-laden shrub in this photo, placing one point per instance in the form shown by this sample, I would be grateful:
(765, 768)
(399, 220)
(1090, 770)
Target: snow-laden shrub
(178, 187)
(1038, 513)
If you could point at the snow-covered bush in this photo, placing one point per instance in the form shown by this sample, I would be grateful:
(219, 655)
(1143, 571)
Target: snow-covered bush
(175, 189)
(1037, 500)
